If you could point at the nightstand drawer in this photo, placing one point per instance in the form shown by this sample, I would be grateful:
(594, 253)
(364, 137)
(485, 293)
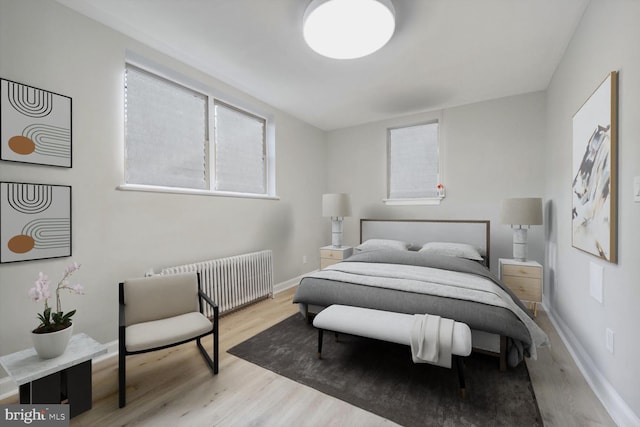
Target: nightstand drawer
(525, 288)
(521, 271)
(336, 254)
(330, 254)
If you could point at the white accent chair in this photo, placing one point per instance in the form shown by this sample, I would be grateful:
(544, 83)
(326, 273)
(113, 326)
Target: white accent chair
(163, 311)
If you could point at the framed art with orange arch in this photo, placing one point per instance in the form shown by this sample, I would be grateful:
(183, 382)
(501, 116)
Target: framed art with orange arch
(35, 125)
(35, 221)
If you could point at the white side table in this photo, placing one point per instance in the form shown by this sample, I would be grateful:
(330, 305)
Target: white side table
(63, 378)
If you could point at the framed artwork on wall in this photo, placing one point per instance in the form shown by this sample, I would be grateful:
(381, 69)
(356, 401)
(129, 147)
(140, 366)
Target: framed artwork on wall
(595, 170)
(35, 125)
(35, 221)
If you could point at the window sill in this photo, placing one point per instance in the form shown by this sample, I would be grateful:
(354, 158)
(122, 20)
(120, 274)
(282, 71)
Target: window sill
(427, 201)
(176, 190)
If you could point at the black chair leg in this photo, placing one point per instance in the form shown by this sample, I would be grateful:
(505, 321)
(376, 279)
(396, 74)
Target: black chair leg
(216, 347)
(461, 381)
(122, 379)
(215, 355)
(212, 364)
(320, 334)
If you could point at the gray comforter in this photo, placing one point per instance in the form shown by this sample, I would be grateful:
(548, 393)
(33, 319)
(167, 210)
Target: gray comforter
(409, 294)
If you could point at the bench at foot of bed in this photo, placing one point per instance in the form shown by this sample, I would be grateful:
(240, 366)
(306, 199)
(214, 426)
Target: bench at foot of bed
(391, 327)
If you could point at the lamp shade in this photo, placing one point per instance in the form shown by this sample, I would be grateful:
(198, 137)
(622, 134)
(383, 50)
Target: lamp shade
(336, 204)
(522, 211)
(347, 29)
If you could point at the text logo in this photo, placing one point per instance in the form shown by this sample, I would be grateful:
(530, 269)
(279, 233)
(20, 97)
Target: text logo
(34, 415)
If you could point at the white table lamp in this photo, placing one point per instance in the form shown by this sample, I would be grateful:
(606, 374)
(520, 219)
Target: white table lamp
(336, 206)
(521, 213)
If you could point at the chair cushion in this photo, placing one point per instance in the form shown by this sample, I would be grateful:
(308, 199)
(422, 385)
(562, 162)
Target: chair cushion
(158, 333)
(160, 296)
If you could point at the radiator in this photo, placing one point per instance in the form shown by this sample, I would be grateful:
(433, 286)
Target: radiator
(234, 281)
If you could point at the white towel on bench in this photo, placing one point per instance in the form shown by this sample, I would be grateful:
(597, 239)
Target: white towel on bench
(431, 340)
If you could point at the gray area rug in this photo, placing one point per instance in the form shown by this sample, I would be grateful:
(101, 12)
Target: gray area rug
(381, 378)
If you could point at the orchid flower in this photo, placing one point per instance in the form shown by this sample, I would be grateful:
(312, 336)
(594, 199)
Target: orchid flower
(49, 321)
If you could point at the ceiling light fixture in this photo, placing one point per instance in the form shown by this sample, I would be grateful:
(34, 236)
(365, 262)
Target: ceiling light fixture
(347, 29)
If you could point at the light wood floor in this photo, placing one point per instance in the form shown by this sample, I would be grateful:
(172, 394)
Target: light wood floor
(174, 387)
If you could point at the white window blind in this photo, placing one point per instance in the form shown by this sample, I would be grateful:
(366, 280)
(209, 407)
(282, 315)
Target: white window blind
(413, 162)
(240, 151)
(167, 147)
(166, 132)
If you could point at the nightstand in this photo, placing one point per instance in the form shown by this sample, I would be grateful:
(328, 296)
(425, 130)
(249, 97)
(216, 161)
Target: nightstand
(524, 278)
(330, 255)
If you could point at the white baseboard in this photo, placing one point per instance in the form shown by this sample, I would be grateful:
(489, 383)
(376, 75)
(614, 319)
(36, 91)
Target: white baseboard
(617, 408)
(283, 286)
(7, 388)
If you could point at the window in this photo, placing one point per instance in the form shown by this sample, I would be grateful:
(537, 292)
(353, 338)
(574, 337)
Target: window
(166, 133)
(240, 150)
(167, 146)
(413, 165)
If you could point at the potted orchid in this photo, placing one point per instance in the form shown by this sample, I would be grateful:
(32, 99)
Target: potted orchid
(51, 337)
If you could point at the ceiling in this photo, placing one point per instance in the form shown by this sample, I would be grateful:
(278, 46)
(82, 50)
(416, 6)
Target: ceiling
(444, 53)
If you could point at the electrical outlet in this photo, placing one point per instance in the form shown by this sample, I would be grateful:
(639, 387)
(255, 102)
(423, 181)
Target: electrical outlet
(610, 336)
(304, 259)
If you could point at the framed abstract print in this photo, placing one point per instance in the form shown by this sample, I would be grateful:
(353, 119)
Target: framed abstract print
(35, 221)
(35, 125)
(595, 170)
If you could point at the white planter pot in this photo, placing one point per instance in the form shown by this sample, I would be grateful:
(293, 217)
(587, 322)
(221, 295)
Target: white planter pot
(52, 344)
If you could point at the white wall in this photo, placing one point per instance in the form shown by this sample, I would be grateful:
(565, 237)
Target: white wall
(121, 234)
(492, 150)
(606, 40)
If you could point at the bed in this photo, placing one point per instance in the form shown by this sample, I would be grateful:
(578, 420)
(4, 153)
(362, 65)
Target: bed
(437, 267)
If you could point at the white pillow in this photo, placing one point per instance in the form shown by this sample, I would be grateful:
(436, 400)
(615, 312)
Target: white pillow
(460, 250)
(373, 244)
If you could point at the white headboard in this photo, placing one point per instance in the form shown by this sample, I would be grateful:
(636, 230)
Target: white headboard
(420, 231)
